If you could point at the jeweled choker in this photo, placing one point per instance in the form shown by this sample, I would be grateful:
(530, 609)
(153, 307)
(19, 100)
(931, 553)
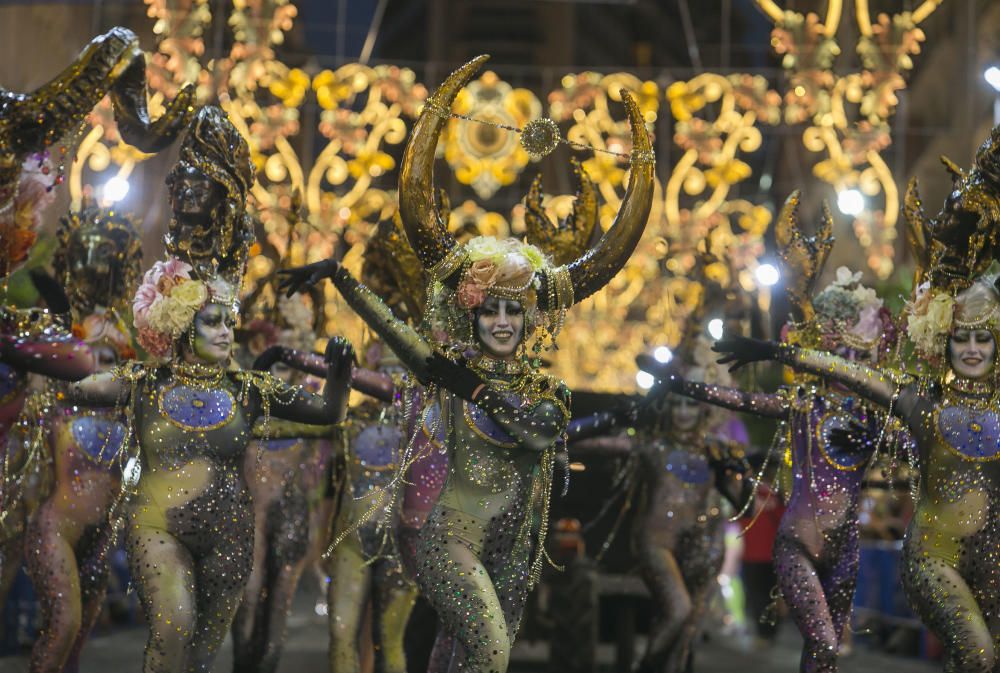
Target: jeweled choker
(198, 375)
(491, 365)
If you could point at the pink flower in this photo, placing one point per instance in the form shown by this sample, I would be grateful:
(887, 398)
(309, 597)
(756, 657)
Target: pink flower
(145, 295)
(172, 268)
(869, 325)
(155, 343)
(482, 273)
(470, 295)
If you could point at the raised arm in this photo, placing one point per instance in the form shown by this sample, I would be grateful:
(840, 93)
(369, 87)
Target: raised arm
(879, 386)
(378, 385)
(409, 346)
(50, 353)
(296, 404)
(613, 445)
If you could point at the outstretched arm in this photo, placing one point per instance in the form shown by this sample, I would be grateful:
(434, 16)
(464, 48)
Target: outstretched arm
(331, 406)
(52, 354)
(879, 386)
(378, 385)
(768, 405)
(409, 346)
(107, 389)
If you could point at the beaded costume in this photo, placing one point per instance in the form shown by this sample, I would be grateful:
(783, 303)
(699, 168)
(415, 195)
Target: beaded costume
(30, 125)
(501, 417)
(188, 518)
(951, 555)
(816, 551)
(70, 536)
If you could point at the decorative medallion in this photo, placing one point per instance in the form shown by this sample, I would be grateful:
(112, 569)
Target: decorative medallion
(196, 409)
(971, 433)
(100, 438)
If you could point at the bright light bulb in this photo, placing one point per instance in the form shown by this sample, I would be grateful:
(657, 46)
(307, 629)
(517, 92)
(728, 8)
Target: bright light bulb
(644, 380)
(663, 355)
(851, 202)
(115, 189)
(767, 275)
(992, 76)
(715, 328)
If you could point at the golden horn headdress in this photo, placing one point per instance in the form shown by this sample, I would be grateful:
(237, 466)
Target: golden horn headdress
(569, 238)
(555, 288)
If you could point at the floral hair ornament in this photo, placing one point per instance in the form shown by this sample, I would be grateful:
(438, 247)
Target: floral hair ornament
(106, 327)
(935, 312)
(21, 215)
(167, 301)
(852, 315)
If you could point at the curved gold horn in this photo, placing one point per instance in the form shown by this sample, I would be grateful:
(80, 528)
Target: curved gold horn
(802, 257)
(30, 122)
(132, 113)
(917, 232)
(422, 222)
(593, 270)
(569, 238)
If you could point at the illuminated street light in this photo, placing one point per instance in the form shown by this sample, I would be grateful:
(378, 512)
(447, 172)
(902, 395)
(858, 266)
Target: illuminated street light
(851, 202)
(767, 275)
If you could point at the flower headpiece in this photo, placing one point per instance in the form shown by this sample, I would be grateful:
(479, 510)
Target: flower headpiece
(21, 216)
(168, 300)
(106, 327)
(850, 314)
(935, 311)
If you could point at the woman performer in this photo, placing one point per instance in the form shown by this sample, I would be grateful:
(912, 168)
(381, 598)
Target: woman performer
(502, 417)
(367, 567)
(69, 537)
(951, 555)
(679, 524)
(189, 517)
(816, 550)
(30, 124)
(276, 470)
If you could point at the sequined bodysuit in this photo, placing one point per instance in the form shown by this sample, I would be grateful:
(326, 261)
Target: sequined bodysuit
(71, 534)
(951, 555)
(816, 550)
(30, 342)
(474, 552)
(189, 521)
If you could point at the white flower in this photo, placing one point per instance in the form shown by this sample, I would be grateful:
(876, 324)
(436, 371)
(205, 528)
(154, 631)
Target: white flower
(846, 278)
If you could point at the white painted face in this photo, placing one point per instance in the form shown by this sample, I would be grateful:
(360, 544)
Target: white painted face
(685, 413)
(500, 326)
(972, 352)
(213, 334)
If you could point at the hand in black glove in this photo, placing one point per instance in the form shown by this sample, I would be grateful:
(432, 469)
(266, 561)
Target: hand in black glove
(268, 358)
(339, 358)
(855, 437)
(741, 351)
(453, 376)
(294, 280)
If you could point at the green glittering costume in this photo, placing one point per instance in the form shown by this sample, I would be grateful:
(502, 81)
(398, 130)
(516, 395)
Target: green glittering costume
(477, 556)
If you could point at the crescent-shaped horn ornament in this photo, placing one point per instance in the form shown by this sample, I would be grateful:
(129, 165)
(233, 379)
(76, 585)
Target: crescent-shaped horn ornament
(427, 233)
(917, 231)
(128, 96)
(600, 264)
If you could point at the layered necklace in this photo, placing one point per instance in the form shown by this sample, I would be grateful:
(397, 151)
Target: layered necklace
(967, 421)
(196, 400)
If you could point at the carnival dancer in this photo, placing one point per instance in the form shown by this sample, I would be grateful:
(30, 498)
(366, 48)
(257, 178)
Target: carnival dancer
(502, 417)
(816, 550)
(189, 520)
(951, 555)
(277, 470)
(682, 468)
(70, 536)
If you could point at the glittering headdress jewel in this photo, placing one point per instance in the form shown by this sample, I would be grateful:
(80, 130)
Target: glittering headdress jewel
(463, 275)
